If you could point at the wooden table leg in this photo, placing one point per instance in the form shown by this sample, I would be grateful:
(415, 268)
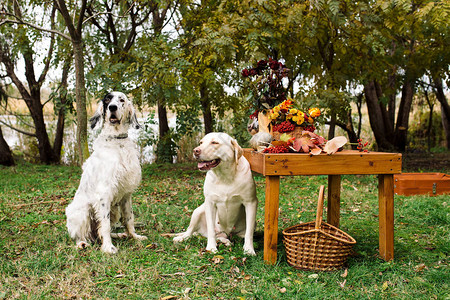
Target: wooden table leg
(271, 219)
(334, 199)
(386, 215)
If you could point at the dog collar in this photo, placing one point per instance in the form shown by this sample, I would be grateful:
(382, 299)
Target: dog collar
(119, 137)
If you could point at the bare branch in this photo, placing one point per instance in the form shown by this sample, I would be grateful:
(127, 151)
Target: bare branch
(19, 117)
(17, 129)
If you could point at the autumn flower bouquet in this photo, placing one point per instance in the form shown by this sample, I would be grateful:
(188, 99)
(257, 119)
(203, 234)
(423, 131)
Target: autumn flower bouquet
(286, 117)
(291, 128)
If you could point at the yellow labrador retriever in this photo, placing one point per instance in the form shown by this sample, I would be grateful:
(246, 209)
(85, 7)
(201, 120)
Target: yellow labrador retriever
(230, 194)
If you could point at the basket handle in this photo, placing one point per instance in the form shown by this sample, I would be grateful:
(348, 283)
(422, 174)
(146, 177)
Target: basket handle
(319, 214)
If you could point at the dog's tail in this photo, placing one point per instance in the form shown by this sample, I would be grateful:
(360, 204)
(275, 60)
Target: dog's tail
(81, 223)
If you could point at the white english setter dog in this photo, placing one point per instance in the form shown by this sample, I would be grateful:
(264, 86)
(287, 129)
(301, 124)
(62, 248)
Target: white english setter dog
(110, 175)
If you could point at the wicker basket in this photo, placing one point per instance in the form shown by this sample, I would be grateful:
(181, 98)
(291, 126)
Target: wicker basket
(317, 245)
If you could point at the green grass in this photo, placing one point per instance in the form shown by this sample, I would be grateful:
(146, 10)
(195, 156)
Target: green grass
(39, 261)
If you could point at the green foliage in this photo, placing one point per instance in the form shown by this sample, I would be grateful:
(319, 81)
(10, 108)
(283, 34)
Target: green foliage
(166, 149)
(188, 122)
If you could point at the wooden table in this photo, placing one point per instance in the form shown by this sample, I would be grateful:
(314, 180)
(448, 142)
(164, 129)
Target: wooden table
(272, 166)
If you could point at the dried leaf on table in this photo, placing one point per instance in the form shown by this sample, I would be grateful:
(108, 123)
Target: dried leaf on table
(333, 145)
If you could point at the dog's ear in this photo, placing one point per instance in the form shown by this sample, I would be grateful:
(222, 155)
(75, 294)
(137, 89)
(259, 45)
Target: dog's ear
(98, 116)
(133, 119)
(238, 151)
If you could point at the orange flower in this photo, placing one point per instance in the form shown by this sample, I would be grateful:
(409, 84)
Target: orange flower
(314, 112)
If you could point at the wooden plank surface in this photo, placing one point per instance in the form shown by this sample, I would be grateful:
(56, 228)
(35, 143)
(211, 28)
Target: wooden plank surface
(340, 163)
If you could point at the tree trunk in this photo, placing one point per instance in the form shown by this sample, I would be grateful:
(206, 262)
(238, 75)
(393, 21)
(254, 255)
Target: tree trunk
(206, 109)
(401, 128)
(59, 135)
(46, 154)
(349, 129)
(391, 104)
(80, 94)
(162, 117)
(6, 157)
(75, 31)
(32, 97)
(332, 125)
(376, 119)
(352, 136)
(445, 108)
(165, 149)
(446, 125)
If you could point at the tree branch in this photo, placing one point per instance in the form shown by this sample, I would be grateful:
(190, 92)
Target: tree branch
(5, 58)
(17, 129)
(81, 17)
(68, 20)
(50, 50)
(22, 22)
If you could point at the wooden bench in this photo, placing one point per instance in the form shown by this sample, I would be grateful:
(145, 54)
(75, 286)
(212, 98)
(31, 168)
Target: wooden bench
(272, 166)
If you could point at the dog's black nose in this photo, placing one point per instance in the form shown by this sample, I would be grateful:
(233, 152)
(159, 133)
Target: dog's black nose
(112, 108)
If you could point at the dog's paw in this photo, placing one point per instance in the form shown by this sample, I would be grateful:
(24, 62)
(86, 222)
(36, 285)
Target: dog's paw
(139, 237)
(82, 245)
(180, 238)
(224, 241)
(211, 247)
(109, 249)
(121, 235)
(212, 250)
(249, 251)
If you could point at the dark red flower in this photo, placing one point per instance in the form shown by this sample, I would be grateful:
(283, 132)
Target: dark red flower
(273, 64)
(245, 73)
(262, 63)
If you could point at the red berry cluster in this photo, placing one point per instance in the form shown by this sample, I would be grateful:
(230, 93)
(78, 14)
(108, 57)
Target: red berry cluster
(285, 126)
(361, 146)
(310, 128)
(276, 149)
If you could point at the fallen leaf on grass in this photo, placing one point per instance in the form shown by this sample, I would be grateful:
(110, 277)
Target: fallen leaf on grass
(345, 273)
(168, 298)
(168, 234)
(283, 290)
(173, 275)
(218, 259)
(420, 268)
(342, 284)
